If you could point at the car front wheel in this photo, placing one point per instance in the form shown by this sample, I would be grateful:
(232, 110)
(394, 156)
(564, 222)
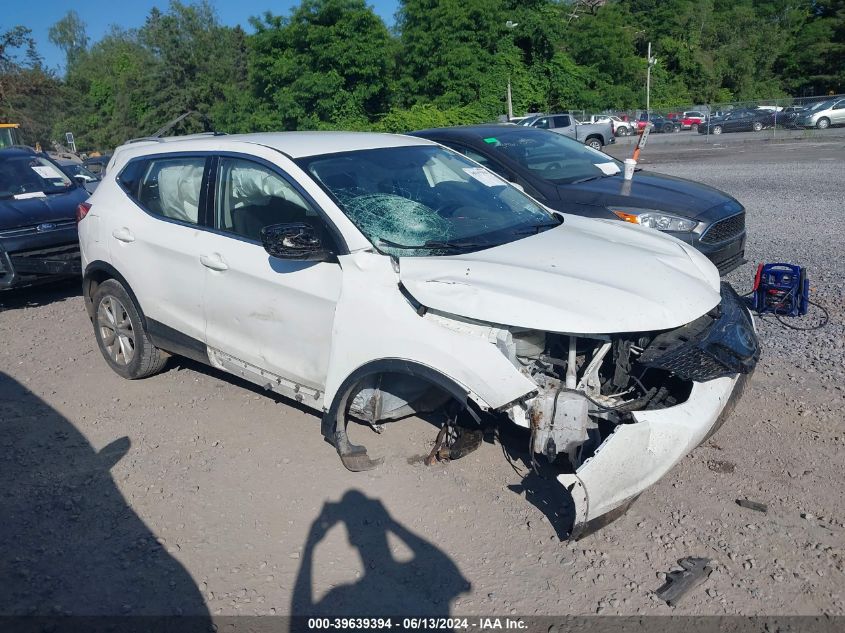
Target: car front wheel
(757, 126)
(823, 123)
(623, 131)
(120, 333)
(717, 129)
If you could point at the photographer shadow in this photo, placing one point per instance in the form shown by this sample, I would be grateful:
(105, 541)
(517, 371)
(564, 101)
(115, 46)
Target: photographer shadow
(422, 586)
(71, 543)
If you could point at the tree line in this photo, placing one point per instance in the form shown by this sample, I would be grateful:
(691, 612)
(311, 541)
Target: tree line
(335, 64)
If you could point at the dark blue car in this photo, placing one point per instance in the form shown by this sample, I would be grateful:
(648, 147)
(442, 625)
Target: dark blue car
(38, 202)
(567, 176)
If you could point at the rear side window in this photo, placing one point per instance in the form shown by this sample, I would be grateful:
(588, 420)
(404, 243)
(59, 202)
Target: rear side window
(563, 121)
(166, 187)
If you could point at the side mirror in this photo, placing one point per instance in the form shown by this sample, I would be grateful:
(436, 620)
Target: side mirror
(80, 180)
(294, 240)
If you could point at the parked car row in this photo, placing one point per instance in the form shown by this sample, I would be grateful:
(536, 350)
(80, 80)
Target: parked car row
(595, 135)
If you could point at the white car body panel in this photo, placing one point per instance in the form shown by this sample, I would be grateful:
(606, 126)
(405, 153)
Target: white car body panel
(375, 321)
(148, 263)
(557, 282)
(248, 310)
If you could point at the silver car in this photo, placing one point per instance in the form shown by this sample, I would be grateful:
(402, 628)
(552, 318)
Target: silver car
(823, 115)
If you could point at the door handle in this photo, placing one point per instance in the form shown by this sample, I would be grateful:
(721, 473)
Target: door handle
(123, 235)
(214, 262)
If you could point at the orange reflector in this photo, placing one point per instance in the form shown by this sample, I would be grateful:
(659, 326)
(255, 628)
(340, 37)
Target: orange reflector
(628, 217)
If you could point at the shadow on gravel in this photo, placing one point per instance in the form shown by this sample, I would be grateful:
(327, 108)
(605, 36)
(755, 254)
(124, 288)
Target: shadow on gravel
(42, 295)
(539, 484)
(71, 545)
(423, 586)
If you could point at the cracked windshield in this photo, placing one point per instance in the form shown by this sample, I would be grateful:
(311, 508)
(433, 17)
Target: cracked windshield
(422, 200)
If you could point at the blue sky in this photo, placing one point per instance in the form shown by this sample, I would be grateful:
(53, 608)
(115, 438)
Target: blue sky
(98, 15)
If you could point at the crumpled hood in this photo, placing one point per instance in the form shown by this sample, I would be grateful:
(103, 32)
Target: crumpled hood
(650, 190)
(32, 211)
(585, 277)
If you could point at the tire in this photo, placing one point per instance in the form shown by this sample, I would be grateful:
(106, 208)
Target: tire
(594, 142)
(717, 129)
(756, 126)
(668, 128)
(130, 354)
(623, 131)
(694, 127)
(823, 123)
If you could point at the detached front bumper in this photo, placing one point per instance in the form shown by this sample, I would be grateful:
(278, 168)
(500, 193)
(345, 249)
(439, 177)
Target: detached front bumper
(719, 359)
(638, 455)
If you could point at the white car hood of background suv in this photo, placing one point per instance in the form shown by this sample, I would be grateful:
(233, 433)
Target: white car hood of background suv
(585, 277)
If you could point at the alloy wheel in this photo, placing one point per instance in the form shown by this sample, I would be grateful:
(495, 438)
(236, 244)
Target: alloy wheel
(116, 330)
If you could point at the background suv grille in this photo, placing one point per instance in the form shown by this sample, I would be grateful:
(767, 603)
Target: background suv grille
(724, 229)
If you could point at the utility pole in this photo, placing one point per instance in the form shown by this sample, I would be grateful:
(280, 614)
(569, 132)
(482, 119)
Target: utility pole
(510, 25)
(651, 61)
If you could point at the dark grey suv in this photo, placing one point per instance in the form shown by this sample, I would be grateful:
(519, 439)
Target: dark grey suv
(38, 203)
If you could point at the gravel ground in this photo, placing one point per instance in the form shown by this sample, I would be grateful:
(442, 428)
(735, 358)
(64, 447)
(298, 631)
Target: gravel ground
(192, 492)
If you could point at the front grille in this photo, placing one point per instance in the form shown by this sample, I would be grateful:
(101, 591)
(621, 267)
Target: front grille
(33, 230)
(720, 343)
(68, 251)
(725, 229)
(727, 265)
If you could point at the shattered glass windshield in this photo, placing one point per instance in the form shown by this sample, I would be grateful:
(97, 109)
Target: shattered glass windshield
(424, 200)
(553, 157)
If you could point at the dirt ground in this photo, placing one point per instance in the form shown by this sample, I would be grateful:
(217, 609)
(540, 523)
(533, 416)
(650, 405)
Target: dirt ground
(193, 492)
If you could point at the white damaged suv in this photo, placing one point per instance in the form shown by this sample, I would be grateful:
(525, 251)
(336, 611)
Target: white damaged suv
(374, 276)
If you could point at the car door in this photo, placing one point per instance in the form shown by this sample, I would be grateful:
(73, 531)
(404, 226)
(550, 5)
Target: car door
(272, 314)
(837, 113)
(156, 242)
(744, 122)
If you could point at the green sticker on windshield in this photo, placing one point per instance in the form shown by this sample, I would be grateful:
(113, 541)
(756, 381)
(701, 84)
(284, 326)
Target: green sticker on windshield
(491, 140)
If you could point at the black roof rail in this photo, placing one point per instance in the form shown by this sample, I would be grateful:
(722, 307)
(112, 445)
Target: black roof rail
(162, 139)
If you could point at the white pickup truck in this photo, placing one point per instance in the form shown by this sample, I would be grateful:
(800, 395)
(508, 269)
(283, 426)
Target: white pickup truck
(620, 127)
(595, 135)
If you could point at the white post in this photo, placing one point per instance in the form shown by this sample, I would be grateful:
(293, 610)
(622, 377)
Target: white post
(648, 83)
(510, 24)
(510, 101)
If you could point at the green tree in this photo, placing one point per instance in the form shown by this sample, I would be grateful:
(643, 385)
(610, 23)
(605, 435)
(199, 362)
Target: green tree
(29, 94)
(198, 65)
(328, 64)
(69, 35)
(454, 53)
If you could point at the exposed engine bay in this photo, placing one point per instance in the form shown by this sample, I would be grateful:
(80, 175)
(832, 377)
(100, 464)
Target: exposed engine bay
(587, 384)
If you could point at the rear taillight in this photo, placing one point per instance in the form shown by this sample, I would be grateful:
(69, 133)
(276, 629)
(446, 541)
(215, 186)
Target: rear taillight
(81, 211)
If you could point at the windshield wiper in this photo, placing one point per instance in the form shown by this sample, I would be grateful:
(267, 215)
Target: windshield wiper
(435, 244)
(534, 230)
(599, 176)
